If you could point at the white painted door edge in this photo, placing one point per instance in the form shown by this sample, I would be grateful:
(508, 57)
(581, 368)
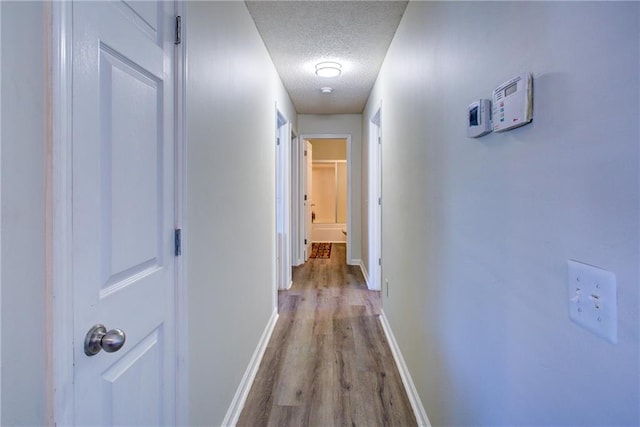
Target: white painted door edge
(59, 204)
(1, 213)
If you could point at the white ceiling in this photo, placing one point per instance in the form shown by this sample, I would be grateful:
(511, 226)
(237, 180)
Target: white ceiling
(299, 34)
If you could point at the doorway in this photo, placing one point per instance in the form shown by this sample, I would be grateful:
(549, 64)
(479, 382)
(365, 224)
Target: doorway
(329, 191)
(326, 191)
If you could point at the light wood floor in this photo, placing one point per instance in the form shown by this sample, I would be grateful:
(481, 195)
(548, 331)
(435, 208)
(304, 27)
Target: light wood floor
(328, 362)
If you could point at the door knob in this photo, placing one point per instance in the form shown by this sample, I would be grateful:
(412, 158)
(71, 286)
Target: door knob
(99, 339)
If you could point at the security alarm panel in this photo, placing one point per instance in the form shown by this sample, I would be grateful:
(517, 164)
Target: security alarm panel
(513, 103)
(479, 118)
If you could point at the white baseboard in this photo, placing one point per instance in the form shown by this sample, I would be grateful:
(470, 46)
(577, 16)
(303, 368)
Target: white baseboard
(365, 273)
(412, 393)
(233, 413)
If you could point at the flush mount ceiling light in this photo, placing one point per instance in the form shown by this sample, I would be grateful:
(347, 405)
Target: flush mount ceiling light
(326, 89)
(328, 69)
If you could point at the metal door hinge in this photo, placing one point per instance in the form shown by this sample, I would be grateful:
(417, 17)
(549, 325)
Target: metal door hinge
(380, 201)
(305, 152)
(305, 197)
(379, 140)
(278, 141)
(379, 261)
(178, 39)
(178, 242)
(305, 241)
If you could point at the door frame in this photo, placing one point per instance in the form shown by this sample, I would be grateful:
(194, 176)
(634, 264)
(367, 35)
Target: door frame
(0, 210)
(295, 215)
(307, 209)
(375, 207)
(58, 204)
(301, 160)
(283, 262)
(58, 227)
(298, 191)
(180, 218)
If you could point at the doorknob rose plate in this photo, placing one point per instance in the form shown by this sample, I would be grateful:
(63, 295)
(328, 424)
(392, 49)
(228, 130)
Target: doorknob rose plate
(93, 339)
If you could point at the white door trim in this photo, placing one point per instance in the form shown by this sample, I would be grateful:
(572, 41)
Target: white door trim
(306, 162)
(58, 237)
(283, 203)
(59, 203)
(346, 136)
(181, 314)
(375, 192)
(296, 179)
(0, 210)
(300, 160)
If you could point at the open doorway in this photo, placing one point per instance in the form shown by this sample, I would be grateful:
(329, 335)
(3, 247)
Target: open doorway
(329, 190)
(325, 194)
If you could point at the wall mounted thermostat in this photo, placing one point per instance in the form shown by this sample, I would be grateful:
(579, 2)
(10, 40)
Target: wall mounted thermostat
(513, 103)
(479, 118)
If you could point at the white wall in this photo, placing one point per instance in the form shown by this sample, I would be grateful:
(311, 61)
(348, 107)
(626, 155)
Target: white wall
(232, 90)
(343, 124)
(477, 233)
(23, 195)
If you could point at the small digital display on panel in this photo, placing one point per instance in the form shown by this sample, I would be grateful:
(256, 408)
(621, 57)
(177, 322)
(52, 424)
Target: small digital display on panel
(510, 89)
(473, 116)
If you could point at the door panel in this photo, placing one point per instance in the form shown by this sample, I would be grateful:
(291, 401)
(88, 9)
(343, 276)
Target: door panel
(123, 210)
(135, 374)
(308, 206)
(131, 171)
(147, 16)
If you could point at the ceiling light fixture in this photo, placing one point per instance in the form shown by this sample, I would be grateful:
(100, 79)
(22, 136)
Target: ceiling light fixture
(326, 89)
(328, 69)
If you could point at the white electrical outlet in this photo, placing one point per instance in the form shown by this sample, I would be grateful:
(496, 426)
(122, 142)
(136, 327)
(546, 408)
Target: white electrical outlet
(593, 302)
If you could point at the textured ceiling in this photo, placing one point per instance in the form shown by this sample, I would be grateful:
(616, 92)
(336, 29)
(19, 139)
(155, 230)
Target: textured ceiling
(299, 34)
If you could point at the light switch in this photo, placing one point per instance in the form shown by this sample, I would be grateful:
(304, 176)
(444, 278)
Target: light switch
(593, 302)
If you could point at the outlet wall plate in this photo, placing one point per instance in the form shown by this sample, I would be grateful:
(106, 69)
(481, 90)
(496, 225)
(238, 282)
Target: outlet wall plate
(593, 299)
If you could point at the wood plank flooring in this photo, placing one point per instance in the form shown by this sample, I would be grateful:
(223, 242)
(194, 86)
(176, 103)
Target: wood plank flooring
(328, 362)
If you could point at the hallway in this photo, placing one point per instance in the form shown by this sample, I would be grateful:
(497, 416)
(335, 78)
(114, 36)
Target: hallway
(328, 361)
(165, 139)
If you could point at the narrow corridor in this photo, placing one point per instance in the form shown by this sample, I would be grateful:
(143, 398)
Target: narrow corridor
(328, 362)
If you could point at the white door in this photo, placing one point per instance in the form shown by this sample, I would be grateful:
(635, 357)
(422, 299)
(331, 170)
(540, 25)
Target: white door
(123, 210)
(308, 204)
(283, 203)
(375, 205)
